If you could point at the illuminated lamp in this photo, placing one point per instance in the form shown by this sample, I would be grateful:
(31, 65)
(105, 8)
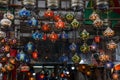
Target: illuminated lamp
(49, 14)
(108, 32)
(93, 16)
(53, 36)
(111, 45)
(98, 23)
(60, 24)
(45, 27)
(97, 39)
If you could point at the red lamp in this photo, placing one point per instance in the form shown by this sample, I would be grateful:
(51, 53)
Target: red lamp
(97, 39)
(60, 24)
(49, 13)
(57, 17)
(35, 55)
(45, 28)
(53, 36)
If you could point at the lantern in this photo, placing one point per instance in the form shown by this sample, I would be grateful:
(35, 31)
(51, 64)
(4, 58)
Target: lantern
(102, 4)
(76, 58)
(108, 32)
(21, 56)
(104, 57)
(77, 5)
(84, 48)
(4, 59)
(33, 22)
(2, 35)
(97, 39)
(73, 47)
(13, 52)
(57, 17)
(94, 16)
(53, 4)
(9, 15)
(37, 36)
(42, 76)
(45, 27)
(75, 24)
(9, 67)
(5, 22)
(84, 35)
(4, 1)
(63, 58)
(24, 13)
(29, 47)
(12, 41)
(111, 45)
(60, 24)
(69, 16)
(117, 67)
(93, 47)
(12, 60)
(115, 76)
(6, 48)
(3, 69)
(64, 35)
(49, 14)
(29, 2)
(44, 37)
(109, 65)
(24, 68)
(35, 55)
(53, 36)
(98, 23)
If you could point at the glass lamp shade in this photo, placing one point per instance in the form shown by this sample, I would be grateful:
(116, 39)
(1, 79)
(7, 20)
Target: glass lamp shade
(93, 47)
(37, 36)
(45, 27)
(109, 65)
(97, 39)
(111, 45)
(76, 58)
(29, 47)
(69, 16)
(75, 24)
(9, 67)
(24, 68)
(5, 22)
(33, 22)
(29, 2)
(53, 36)
(9, 15)
(63, 35)
(4, 1)
(102, 4)
(93, 16)
(60, 24)
(57, 17)
(24, 13)
(35, 55)
(108, 32)
(98, 23)
(104, 57)
(84, 48)
(7, 48)
(21, 56)
(84, 35)
(73, 47)
(53, 4)
(2, 34)
(49, 14)
(115, 76)
(77, 5)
